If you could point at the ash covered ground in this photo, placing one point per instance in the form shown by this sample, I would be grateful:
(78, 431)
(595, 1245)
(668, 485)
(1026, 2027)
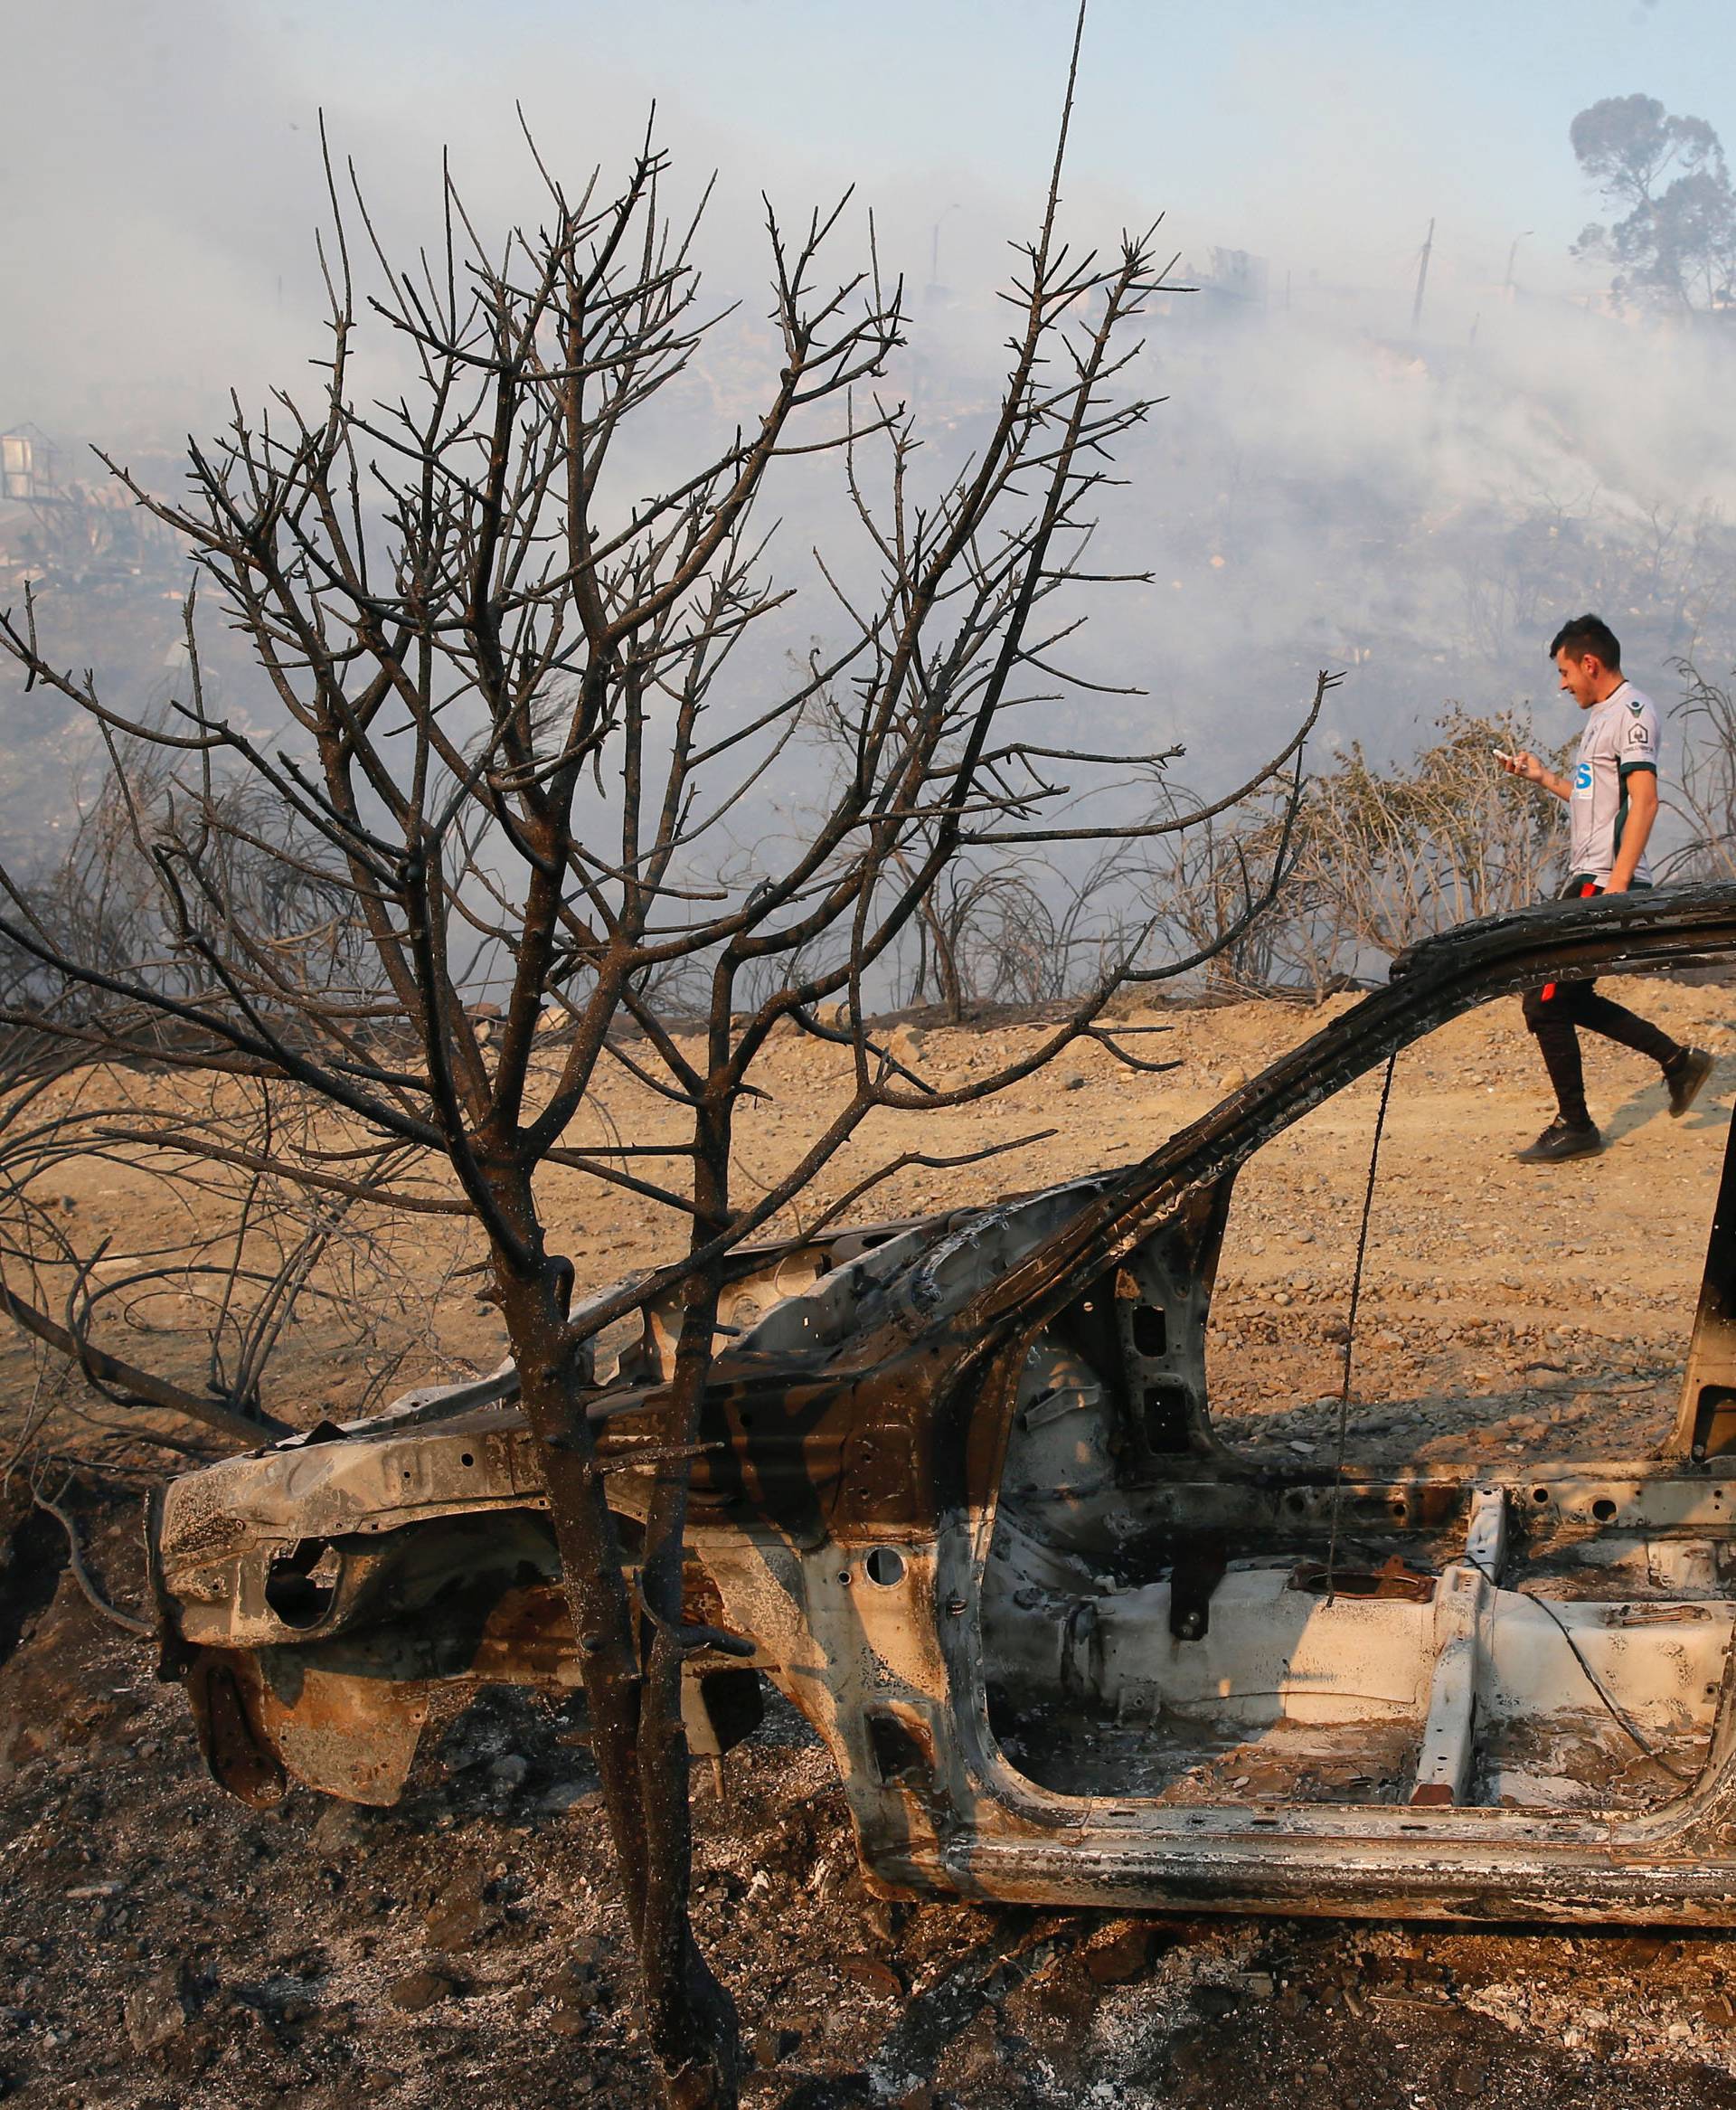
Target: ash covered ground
(161, 1944)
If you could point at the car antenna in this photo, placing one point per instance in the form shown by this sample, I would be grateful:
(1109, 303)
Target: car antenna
(1350, 1324)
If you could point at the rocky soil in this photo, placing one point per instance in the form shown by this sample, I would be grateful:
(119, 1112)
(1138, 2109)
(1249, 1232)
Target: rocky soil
(160, 1944)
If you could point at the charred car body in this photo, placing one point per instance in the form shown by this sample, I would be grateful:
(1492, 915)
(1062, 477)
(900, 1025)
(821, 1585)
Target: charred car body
(962, 1493)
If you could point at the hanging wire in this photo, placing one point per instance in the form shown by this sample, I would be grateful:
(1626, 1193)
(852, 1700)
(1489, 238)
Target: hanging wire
(1615, 1711)
(1350, 1325)
(1611, 1708)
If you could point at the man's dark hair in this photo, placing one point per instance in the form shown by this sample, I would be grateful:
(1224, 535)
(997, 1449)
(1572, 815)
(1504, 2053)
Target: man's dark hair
(1588, 633)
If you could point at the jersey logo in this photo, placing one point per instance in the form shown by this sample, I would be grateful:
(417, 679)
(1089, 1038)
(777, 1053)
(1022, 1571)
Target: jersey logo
(1637, 736)
(1583, 777)
(1636, 706)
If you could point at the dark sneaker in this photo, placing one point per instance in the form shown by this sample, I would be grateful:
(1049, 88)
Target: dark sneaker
(1558, 1143)
(1685, 1077)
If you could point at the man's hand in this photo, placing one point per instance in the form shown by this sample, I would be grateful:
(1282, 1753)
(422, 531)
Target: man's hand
(1527, 765)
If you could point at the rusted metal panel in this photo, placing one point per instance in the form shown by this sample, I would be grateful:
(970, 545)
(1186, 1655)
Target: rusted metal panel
(267, 1713)
(1392, 1579)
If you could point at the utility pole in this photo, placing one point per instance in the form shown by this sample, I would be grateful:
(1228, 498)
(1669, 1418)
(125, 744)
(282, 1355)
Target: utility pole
(1423, 280)
(934, 250)
(1506, 284)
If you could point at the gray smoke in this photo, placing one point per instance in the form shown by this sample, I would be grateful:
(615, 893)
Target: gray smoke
(1325, 486)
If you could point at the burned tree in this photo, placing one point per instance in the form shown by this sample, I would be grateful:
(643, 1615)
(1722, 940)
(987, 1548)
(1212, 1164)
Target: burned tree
(524, 750)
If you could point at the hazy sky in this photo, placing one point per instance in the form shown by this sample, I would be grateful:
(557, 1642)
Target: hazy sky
(160, 185)
(1321, 488)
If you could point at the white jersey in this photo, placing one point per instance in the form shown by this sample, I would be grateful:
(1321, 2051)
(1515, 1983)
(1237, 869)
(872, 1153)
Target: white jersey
(1621, 735)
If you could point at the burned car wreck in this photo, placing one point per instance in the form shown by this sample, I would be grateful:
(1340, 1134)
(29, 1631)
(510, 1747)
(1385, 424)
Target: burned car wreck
(962, 1493)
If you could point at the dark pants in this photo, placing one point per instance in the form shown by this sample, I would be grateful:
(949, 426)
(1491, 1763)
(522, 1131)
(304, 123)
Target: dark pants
(1554, 1011)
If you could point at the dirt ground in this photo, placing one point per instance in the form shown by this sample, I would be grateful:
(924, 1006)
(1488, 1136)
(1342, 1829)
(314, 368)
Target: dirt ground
(160, 1944)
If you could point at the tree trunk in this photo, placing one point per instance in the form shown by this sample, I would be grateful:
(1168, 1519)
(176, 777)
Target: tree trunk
(694, 2029)
(637, 1736)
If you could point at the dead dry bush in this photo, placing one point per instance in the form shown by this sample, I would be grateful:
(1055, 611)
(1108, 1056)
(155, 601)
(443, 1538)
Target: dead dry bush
(149, 1237)
(1374, 861)
(112, 1108)
(1702, 800)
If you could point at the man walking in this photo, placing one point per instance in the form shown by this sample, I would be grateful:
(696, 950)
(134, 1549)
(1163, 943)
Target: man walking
(1612, 800)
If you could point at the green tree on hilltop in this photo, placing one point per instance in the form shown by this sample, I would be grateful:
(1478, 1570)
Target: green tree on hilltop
(1674, 245)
